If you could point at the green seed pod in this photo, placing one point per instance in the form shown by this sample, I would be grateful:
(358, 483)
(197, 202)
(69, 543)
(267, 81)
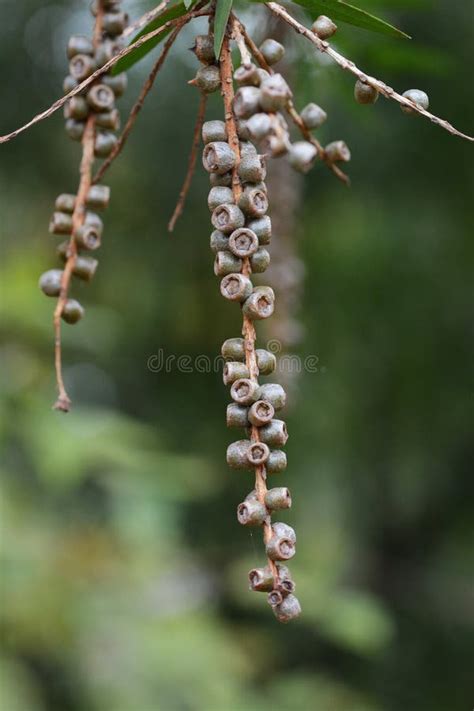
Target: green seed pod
(108, 119)
(302, 156)
(81, 66)
(364, 93)
(218, 157)
(266, 361)
(65, 203)
(252, 168)
(338, 151)
(242, 130)
(88, 237)
(227, 218)
(262, 228)
(114, 23)
(207, 79)
(277, 462)
(259, 125)
(288, 610)
(283, 529)
(204, 49)
(280, 548)
(275, 433)
(257, 454)
(274, 598)
(236, 287)
(261, 579)
(60, 223)
(253, 202)
(76, 108)
(72, 311)
(246, 101)
(101, 98)
(219, 242)
(219, 195)
(85, 268)
(243, 242)
(98, 197)
(237, 454)
(234, 370)
(261, 413)
(233, 348)
(69, 84)
(104, 144)
(50, 282)
(226, 263)
(420, 98)
(79, 44)
(272, 50)
(117, 83)
(323, 27)
(273, 393)
(217, 180)
(251, 513)
(244, 391)
(278, 498)
(313, 116)
(236, 415)
(259, 305)
(75, 129)
(247, 75)
(260, 260)
(274, 93)
(213, 131)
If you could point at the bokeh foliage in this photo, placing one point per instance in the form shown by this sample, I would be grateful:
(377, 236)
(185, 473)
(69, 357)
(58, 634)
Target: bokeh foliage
(123, 568)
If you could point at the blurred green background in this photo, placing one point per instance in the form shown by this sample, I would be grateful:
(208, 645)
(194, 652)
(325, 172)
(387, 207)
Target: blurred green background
(123, 584)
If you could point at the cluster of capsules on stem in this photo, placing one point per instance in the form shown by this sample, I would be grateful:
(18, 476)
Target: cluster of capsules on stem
(92, 118)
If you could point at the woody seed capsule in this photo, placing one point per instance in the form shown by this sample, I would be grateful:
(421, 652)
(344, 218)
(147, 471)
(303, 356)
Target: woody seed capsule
(252, 168)
(302, 156)
(275, 598)
(251, 513)
(257, 454)
(276, 462)
(75, 129)
(236, 287)
(280, 548)
(313, 116)
(217, 180)
(214, 131)
(88, 237)
(260, 260)
(259, 305)
(69, 84)
(272, 50)
(266, 361)
(261, 579)
(244, 391)
(227, 218)
(286, 587)
(81, 66)
(247, 75)
(259, 125)
(243, 242)
(338, 151)
(233, 348)
(246, 101)
(253, 202)
(260, 413)
(236, 415)
(218, 157)
(65, 203)
(324, 27)
(114, 23)
(72, 311)
(60, 224)
(207, 79)
(262, 228)
(204, 49)
(242, 130)
(237, 454)
(288, 610)
(364, 93)
(219, 242)
(226, 263)
(108, 119)
(85, 268)
(101, 98)
(283, 529)
(218, 196)
(79, 44)
(278, 498)
(420, 98)
(117, 83)
(50, 282)
(104, 144)
(76, 108)
(274, 93)
(275, 433)
(233, 370)
(98, 197)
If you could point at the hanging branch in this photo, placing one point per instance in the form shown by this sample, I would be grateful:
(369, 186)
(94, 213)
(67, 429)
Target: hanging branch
(349, 66)
(145, 19)
(192, 163)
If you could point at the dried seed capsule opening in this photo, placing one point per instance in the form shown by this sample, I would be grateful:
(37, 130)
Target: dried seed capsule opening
(236, 287)
(286, 587)
(261, 413)
(259, 305)
(280, 548)
(101, 98)
(261, 579)
(257, 453)
(251, 513)
(218, 157)
(244, 391)
(88, 237)
(275, 598)
(227, 218)
(254, 202)
(243, 242)
(81, 66)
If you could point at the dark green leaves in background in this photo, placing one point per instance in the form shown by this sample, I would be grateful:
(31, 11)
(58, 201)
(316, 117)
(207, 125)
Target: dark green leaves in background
(343, 12)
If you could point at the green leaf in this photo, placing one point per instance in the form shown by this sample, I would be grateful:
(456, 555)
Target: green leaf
(173, 12)
(223, 9)
(342, 11)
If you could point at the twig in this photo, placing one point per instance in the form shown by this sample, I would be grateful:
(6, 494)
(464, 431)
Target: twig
(102, 70)
(145, 19)
(291, 109)
(137, 107)
(248, 329)
(348, 65)
(192, 163)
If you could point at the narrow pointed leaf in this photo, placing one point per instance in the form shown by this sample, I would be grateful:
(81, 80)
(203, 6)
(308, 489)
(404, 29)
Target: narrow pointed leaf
(223, 9)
